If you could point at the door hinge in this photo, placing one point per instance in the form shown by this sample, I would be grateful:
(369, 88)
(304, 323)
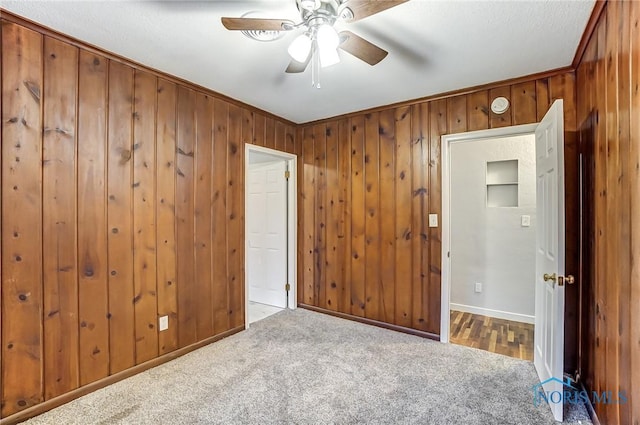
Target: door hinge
(287, 174)
(287, 287)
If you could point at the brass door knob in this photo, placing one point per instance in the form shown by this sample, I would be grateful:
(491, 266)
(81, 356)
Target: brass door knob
(570, 279)
(549, 277)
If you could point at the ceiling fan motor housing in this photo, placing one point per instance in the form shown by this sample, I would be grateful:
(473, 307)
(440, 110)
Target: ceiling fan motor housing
(310, 9)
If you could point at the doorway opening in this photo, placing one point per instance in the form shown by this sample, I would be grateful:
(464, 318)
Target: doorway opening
(489, 231)
(270, 232)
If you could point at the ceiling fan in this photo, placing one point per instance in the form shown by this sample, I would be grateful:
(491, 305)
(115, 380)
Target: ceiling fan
(319, 41)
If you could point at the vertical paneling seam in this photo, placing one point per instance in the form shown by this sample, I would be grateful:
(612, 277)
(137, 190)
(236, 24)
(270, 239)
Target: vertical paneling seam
(212, 312)
(1, 172)
(106, 214)
(176, 275)
(226, 215)
(194, 199)
(77, 218)
(378, 284)
(131, 238)
(106, 206)
(41, 172)
(155, 210)
(132, 201)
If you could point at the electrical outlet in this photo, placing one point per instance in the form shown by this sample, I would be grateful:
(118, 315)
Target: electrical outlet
(433, 220)
(163, 323)
(478, 286)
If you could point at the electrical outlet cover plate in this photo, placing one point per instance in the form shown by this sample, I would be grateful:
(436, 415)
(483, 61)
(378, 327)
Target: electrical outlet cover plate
(163, 323)
(433, 220)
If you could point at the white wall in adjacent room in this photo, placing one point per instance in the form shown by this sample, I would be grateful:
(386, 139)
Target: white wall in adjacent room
(489, 245)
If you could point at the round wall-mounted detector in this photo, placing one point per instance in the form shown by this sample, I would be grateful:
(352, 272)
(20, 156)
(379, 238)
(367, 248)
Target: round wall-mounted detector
(500, 105)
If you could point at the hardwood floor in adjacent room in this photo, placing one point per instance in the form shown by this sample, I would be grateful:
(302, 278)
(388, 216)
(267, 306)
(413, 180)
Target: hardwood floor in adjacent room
(513, 339)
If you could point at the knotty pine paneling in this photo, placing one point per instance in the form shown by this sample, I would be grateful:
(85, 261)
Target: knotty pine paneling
(343, 218)
(122, 201)
(185, 144)
(166, 214)
(120, 234)
(358, 236)
(608, 107)
(219, 176)
(387, 215)
(203, 217)
(144, 218)
(22, 265)
(59, 215)
(403, 224)
(419, 206)
(235, 217)
(333, 218)
(93, 302)
(389, 269)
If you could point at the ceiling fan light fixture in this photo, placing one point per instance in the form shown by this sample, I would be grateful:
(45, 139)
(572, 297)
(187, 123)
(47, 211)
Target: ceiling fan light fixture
(300, 48)
(328, 41)
(328, 37)
(329, 57)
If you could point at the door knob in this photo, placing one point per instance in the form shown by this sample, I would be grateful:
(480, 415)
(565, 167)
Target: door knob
(549, 277)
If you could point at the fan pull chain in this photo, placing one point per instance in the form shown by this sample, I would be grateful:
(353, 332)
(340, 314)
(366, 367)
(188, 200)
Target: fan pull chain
(315, 66)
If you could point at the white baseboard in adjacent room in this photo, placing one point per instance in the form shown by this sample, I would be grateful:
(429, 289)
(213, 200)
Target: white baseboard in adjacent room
(498, 314)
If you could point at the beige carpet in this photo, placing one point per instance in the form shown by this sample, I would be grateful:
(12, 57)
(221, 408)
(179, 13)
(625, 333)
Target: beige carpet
(308, 368)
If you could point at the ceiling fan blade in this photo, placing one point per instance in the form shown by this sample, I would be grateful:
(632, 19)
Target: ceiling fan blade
(248, 24)
(363, 8)
(296, 67)
(361, 48)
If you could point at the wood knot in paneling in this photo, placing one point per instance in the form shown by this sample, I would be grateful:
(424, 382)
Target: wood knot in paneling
(34, 90)
(182, 152)
(125, 156)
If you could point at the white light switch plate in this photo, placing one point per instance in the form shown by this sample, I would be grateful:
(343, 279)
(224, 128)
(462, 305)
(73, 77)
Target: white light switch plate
(525, 220)
(433, 220)
(163, 323)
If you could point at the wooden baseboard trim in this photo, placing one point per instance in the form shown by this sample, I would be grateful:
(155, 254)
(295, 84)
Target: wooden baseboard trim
(373, 322)
(72, 395)
(590, 410)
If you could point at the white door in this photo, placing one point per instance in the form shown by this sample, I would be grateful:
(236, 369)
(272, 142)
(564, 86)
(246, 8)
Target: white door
(549, 322)
(266, 225)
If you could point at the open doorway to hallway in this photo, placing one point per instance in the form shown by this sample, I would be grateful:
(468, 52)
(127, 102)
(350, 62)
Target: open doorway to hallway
(492, 240)
(270, 232)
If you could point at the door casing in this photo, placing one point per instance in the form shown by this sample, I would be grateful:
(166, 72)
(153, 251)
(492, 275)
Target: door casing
(446, 142)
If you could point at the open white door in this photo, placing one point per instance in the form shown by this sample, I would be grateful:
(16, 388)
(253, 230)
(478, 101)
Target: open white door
(267, 233)
(550, 248)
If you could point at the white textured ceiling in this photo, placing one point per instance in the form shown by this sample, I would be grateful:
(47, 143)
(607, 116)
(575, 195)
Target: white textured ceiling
(434, 47)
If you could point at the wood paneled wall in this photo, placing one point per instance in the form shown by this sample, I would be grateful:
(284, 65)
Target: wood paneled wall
(368, 183)
(608, 94)
(122, 201)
